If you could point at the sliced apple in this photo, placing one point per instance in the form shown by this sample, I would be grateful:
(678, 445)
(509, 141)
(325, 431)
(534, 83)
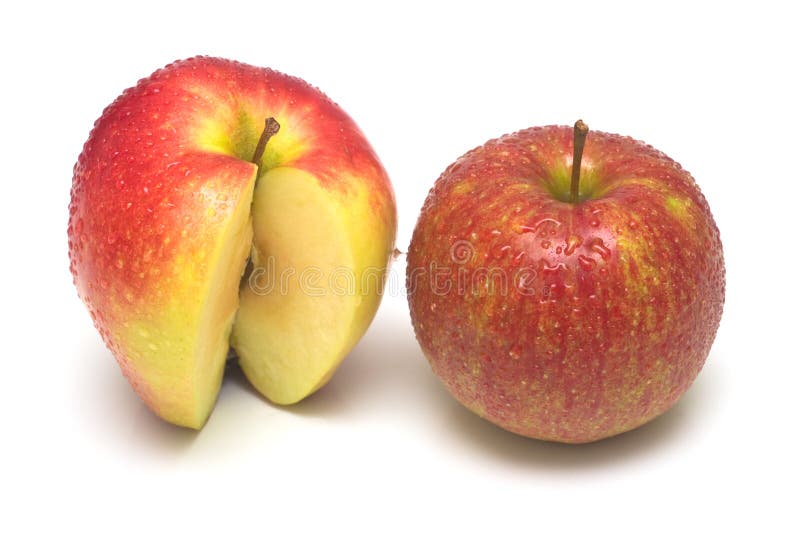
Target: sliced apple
(175, 190)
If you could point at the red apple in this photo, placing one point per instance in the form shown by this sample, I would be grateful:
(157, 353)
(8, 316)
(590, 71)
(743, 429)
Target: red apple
(566, 303)
(181, 185)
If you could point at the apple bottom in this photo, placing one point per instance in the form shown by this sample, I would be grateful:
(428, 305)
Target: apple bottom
(541, 376)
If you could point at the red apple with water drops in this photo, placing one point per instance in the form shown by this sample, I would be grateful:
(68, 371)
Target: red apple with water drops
(566, 284)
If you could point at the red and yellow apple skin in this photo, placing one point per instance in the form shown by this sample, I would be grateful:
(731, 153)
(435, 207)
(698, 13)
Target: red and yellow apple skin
(562, 321)
(160, 227)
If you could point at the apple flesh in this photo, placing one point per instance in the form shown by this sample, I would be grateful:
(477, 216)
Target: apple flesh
(168, 212)
(560, 318)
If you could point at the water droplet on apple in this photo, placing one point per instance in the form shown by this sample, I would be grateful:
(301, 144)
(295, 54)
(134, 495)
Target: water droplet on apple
(586, 263)
(500, 252)
(600, 248)
(572, 243)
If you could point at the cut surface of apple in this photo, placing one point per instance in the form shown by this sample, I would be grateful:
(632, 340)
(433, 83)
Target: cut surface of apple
(180, 244)
(299, 305)
(220, 308)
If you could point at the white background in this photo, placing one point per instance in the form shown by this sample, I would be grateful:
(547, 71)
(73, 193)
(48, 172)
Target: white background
(383, 447)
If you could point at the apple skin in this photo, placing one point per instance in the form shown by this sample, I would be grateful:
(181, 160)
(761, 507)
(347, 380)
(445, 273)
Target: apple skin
(156, 188)
(610, 305)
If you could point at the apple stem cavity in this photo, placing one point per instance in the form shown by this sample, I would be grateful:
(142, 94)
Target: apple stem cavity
(578, 142)
(271, 127)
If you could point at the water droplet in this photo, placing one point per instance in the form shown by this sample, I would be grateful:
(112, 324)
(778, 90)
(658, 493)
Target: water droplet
(500, 252)
(548, 268)
(600, 248)
(586, 263)
(537, 226)
(572, 243)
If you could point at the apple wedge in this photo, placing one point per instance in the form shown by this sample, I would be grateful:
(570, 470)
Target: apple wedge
(194, 223)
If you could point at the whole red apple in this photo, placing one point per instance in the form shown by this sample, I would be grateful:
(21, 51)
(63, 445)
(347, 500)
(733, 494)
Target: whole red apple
(207, 170)
(566, 303)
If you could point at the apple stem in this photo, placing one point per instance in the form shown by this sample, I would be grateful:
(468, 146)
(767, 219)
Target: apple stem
(271, 127)
(578, 142)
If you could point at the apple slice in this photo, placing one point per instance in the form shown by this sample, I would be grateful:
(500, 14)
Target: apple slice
(219, 311)
(165, 292)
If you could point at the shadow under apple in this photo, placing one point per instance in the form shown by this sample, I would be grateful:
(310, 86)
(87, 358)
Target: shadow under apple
(385, 371)
(113, 411)
(678, 423)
